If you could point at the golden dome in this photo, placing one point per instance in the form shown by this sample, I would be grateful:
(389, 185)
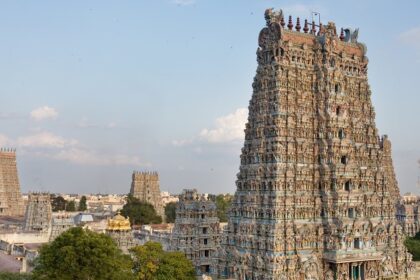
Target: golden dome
(118, 223)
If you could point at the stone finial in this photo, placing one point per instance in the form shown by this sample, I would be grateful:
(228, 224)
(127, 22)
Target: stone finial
(298, 27)
(313, 28)
(290, 24)
(321, 29)
(342, 34)
(282, 23)
(305, 27)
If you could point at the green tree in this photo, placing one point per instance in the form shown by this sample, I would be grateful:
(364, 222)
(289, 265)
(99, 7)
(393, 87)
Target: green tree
(223, 202)
(152, 263)
(175, 266)
(140, 213)
(14, 276)
(58, 203)
(82, 204)
(413, 246)
(79, 254)
(71, 206)
(170, 212)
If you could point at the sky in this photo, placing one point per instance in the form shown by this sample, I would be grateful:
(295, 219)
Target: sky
(92, 90)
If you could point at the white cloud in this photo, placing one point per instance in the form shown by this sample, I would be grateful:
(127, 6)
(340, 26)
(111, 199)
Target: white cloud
(227, 128)
(45, 140)
(411, 37)
(48, 145)
(4, 141)
(43, 113)
(180, 143)
(183, 2)
(86, 157)
(85, 123)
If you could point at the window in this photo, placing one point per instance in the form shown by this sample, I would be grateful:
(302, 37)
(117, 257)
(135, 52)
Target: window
(341, 134)
(337, 88)
(203, 216)
(338, 110)
(351, 213)
(344, 160)
(356, 243)
(204, 230)
(347, 186)
(206, 253)
(319, 159)
(332, 62)
(205, 241)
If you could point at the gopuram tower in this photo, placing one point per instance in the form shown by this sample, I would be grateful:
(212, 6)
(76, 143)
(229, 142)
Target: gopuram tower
(316, 191)
(11, 202)
(145, 187)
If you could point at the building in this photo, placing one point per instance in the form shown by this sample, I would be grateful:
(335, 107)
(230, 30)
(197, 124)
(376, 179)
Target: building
(161, 233)
(196, 231)
(119, 229)
(38, 214)
(168, 198)
(145, 187)
(408, 214)
(61, 222)
(11, 202)
(316, 192)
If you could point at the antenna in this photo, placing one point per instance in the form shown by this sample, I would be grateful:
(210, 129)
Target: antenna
(418, 177)
(316, 15)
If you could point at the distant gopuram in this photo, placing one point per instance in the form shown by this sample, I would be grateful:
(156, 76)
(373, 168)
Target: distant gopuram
(11, 202)
(38, 216)
(316, 191)
(145, 187)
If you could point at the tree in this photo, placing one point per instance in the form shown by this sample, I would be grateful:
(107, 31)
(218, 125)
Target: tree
(152, 263)
(71, 206)
(175, 266)
(14, 276)
(413, 246)
(140, 213)
(79, 254)
(58, 203)
(82, 204)
(170, 212)
(223, 202)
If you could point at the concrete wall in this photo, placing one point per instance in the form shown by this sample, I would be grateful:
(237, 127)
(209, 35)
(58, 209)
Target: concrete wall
(25, 237)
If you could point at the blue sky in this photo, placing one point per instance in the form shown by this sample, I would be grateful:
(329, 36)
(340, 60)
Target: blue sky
(92, 90)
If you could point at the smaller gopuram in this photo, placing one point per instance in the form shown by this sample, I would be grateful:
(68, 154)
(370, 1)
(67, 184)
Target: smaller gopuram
(145, 187)
(11, 202)
(38, 215)
(119, 229)
(408, 214)
(196, 231)
(61, 222)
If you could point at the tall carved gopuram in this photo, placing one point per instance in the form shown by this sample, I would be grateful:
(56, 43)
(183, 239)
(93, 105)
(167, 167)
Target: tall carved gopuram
(145, 187)
(316, 191)
(11, 202)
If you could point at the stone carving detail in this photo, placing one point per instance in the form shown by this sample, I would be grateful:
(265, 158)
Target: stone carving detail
(316, 191)
(351, 36)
